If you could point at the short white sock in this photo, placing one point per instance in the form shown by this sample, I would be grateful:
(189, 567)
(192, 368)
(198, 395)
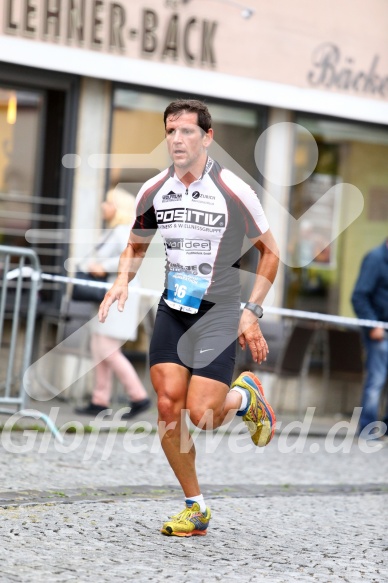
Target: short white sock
(244, 397)
(200, 500)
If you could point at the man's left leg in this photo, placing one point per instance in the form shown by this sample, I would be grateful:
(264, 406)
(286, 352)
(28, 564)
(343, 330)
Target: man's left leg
(376, 374)
(209, 404)
(213, 361)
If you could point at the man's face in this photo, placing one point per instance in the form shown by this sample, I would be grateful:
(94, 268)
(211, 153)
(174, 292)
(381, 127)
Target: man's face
(186, 141)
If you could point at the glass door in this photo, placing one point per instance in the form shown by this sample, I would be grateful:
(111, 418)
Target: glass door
(31, 148)
(20, 124)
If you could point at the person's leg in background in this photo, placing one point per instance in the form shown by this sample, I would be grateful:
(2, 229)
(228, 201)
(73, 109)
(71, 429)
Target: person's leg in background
(109, 359)
(384, 390)
(376, 375)
(103, 374)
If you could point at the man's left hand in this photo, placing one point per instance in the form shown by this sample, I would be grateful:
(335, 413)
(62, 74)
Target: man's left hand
(249, 334)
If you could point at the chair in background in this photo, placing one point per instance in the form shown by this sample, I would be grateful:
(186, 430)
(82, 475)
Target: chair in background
(64, 334)
(139, 355)
(274, 332)
(294, 362)
(290, 347)
(344, 361)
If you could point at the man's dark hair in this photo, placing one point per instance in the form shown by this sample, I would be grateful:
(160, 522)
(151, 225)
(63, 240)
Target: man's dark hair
(177, 107)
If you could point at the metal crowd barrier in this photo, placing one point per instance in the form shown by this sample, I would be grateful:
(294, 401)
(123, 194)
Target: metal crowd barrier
(18, 300)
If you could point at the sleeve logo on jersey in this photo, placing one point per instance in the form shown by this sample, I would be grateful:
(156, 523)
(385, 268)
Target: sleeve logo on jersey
(190, 216)
(189, 244)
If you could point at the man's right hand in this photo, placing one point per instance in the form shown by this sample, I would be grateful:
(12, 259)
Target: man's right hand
(376, 334)
(118, 292)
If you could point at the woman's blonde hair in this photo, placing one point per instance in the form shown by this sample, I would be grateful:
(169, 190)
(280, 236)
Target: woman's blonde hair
(124, 202)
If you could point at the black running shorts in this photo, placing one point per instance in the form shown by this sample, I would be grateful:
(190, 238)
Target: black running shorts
(205, 343)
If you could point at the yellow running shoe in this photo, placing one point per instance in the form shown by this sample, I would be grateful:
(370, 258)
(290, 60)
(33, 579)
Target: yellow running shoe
(191, 521)
(260, 418)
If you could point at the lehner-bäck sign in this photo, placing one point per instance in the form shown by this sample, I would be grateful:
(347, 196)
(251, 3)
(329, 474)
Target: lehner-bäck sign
(118, 27)
(282, 49)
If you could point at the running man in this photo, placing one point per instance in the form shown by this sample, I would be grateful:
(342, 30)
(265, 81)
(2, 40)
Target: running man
(203, 213)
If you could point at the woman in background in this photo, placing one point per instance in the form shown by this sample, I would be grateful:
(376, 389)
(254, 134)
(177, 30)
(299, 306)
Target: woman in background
(106, 340)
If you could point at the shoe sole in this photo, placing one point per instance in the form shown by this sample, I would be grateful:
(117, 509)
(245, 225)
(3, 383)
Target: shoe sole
(271, 422)
(131, 415)
(91, 413)
(267, 430)
(192, 533)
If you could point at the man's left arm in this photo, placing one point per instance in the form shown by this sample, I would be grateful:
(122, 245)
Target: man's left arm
(365, 290)
(249, 330)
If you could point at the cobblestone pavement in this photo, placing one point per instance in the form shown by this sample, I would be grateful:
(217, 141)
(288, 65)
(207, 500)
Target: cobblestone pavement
(302, 509)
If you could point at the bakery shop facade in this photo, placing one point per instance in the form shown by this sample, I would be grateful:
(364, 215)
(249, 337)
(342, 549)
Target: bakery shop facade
(300, 111)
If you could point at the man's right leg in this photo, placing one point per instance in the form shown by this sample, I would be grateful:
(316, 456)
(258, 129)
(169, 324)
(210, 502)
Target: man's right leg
(376, 373)
(100, 399)
(376, 367)
(171, 383)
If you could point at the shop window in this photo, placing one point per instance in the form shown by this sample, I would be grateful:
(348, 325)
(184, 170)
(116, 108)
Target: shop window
(347, 153)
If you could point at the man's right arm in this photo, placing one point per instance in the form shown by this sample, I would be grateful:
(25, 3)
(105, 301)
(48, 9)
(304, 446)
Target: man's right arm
(362, 295)
(129, 264)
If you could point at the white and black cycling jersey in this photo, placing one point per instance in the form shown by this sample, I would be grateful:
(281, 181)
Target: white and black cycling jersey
(203, 227)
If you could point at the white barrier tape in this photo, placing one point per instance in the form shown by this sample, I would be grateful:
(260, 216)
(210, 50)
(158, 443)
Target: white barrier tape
(101, 284)
(316, 316)
(88, 282)
(25, 271)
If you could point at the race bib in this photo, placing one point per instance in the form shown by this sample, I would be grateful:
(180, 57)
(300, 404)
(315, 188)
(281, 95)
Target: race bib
(185, 291)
